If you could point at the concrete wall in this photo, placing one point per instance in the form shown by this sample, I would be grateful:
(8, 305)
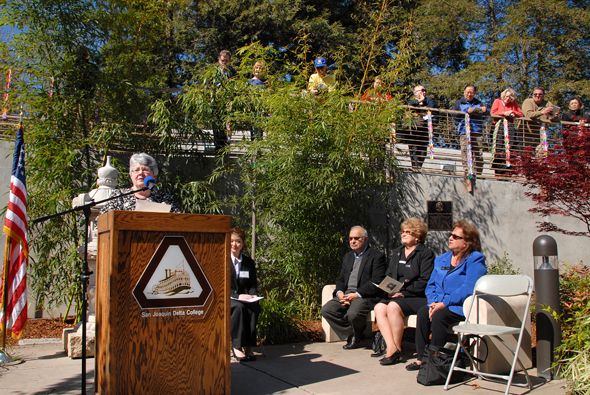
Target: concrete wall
(499, 209)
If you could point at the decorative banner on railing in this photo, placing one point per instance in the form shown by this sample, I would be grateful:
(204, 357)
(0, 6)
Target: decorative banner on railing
(393, 138)
(506, 142)
(8, 78)
(544, 139)
(469, 154)
(145, 111)
(430, 135)
(51, 81)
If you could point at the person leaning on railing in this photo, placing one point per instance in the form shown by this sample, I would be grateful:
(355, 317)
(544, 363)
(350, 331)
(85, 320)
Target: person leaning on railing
(475, 108)
(539, 110)
(576, 112)
(376, 93)
(508, 108)
(418, 137)
(321, 81)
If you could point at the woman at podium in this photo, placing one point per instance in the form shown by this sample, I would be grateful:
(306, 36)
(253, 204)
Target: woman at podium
(140, 166)
(244, 311)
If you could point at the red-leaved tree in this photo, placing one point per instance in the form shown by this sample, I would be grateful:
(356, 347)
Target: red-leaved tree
(559, 182)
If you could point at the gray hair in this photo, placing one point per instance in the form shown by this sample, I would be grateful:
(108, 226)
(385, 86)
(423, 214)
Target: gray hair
(365, 233)
(145, 160)
(503, 94)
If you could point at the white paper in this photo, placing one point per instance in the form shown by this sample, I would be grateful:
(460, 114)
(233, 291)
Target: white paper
(251, 300)
(146, 205)
(390, 285)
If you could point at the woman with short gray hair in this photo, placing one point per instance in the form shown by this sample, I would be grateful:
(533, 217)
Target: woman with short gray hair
(141, 166)
(508, 108)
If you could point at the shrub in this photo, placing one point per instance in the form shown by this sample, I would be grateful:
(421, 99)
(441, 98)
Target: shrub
(574, 362)
(278, 323)
(503, 266)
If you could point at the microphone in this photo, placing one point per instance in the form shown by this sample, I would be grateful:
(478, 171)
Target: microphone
(150, 183)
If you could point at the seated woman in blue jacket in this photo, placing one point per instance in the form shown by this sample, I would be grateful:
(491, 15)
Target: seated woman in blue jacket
(453, 280)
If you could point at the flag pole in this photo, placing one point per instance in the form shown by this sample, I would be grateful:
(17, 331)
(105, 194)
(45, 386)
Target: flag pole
(5, 277)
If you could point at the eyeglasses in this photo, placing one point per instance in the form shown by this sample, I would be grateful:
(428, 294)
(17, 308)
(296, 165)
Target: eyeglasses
(351, 238)
(455, 237)
(408, 232)
(419, 90)
(538, 94)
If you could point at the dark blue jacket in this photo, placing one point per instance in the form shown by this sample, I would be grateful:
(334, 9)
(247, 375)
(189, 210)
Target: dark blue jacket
(475, 119)
(428, 102)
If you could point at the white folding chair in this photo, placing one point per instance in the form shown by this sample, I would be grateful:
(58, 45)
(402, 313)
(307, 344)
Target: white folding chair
(501, 286)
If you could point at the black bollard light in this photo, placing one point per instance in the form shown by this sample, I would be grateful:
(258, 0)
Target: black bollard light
(546, 294)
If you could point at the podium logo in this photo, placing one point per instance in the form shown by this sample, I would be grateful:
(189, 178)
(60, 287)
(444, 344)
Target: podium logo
(173, 279)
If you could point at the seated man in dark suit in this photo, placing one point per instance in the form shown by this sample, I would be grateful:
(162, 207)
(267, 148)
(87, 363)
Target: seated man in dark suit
(362, 268)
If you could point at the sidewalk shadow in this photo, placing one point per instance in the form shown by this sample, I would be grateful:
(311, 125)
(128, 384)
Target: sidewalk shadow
(286, 367)
(70, 385)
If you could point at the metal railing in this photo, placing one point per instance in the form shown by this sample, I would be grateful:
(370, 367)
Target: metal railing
(444, 157)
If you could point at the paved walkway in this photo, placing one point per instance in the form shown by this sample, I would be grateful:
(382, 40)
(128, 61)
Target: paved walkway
(292, 369)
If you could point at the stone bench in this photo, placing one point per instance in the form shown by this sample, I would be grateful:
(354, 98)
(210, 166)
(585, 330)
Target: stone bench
(328, 335)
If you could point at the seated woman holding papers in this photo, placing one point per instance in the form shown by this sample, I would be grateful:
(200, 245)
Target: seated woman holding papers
(411, 265)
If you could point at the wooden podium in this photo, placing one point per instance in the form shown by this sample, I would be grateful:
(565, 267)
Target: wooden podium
(162, 306)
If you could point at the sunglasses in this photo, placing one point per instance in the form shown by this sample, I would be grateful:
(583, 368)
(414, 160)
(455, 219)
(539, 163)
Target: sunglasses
(351, 238)
(455, 237)
(407, 232)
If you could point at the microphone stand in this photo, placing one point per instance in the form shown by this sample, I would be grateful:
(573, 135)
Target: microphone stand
(85, 275)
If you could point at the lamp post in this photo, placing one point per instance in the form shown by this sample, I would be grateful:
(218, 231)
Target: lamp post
(546, 295)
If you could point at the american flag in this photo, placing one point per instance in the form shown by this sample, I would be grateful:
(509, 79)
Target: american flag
(17, 246)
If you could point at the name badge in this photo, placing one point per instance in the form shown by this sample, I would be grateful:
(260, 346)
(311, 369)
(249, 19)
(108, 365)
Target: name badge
(244, 274)
(446, 268)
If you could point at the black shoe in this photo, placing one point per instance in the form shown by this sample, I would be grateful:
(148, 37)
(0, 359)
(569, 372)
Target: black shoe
(378, 354)
(413, 366)
(251, 357)
(352, 342)
(395, 358)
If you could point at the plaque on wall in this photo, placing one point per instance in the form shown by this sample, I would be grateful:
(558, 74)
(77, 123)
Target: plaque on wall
(439, 215)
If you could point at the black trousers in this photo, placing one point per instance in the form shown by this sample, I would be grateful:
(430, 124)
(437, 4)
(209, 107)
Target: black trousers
(244, 317)
(441, 319)
(418, 145)
(347, 320)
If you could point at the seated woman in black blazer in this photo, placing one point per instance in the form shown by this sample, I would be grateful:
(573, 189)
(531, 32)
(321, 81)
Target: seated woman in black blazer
(411, 264)
(244, 316)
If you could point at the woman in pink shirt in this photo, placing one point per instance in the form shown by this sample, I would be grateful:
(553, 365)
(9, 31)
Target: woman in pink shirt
(508, 108)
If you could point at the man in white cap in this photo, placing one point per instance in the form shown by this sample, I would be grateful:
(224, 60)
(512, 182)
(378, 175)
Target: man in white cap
(320, 80)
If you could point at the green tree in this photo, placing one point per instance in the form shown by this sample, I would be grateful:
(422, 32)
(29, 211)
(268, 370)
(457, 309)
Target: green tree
(506, 43)
(77, 67)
